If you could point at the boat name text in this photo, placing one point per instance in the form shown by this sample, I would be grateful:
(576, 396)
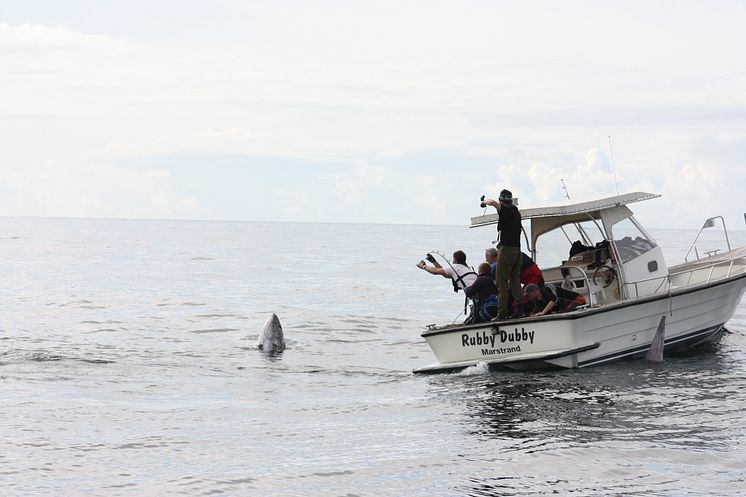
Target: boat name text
(482, 338)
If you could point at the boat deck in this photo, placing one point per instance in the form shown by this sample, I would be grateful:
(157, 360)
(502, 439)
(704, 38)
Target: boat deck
(709, 269)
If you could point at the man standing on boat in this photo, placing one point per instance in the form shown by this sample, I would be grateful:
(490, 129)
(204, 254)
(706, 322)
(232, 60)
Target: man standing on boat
(508, 274)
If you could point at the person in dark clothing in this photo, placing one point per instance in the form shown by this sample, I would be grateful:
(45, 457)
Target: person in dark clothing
(530, 272)
(556, 299)
(485, 291)
(508, 274)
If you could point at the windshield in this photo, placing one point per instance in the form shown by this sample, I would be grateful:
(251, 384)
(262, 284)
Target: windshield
(630, 240)
(553, 248)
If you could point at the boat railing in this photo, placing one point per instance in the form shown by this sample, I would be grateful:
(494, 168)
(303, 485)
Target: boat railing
(701, 274)
(708, 224)
(635, 285)
(710, 269)
(581, 274)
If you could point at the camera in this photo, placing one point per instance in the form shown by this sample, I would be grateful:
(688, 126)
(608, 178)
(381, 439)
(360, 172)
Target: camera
(430, 258)
(482, 205)
(421, 264)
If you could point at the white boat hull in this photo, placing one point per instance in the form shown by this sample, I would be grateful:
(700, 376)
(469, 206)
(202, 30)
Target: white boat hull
(589, 336)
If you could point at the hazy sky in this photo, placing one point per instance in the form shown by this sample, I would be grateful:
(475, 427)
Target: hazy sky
(376, 111)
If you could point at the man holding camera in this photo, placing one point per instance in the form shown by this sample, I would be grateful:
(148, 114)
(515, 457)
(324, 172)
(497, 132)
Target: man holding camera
(461, 275)
(508, 271)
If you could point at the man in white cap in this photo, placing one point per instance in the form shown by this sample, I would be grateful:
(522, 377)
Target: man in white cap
(508, 274)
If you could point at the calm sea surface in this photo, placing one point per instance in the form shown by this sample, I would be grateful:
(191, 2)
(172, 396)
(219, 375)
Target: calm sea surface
(127, 368)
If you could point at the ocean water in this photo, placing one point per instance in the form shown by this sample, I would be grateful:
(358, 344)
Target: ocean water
(128, 368)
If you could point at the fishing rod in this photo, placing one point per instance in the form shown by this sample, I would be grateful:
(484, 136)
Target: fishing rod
(613, 168)
(432, 259)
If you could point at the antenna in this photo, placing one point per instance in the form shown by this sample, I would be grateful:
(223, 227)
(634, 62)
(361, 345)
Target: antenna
(568, 195)
(611, 154)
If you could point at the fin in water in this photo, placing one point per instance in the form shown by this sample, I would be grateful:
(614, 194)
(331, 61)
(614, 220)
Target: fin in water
(271, 339)
(655, 352)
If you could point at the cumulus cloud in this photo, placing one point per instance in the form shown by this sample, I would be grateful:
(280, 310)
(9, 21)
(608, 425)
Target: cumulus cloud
(541, 184)
(596, 163)
(508, 176)
(545, 182)
(592, 178)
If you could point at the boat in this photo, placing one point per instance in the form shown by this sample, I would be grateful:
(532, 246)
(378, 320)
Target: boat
(628, 288)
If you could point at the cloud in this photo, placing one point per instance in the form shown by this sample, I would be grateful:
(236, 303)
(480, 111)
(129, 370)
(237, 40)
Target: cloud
(541, 184)
(57, 38)
(401, 128)
(68, 190)
(215, 133)
(430, 193)
(693, 185)
(297, 204)
(158, 173)
(593, 178)
(544, 182)
(358, 186)
(347, 187)
(49, 69)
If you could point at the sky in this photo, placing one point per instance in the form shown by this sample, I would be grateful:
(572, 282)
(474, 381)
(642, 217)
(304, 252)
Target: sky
(379, 111)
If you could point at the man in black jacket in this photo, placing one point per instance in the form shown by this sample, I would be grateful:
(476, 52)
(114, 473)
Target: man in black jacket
(485, 292)
(555, 298)
(508, 274)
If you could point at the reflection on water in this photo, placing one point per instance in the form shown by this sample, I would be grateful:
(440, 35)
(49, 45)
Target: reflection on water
(614, 414)
(528, 409)
(625, 401)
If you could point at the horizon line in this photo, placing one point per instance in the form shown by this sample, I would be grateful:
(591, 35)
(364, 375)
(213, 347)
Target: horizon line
(249, 221)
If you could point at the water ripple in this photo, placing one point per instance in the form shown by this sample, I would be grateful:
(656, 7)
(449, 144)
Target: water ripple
(127, 369)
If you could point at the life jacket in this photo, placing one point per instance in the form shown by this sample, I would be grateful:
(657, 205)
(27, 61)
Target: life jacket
(460, 278)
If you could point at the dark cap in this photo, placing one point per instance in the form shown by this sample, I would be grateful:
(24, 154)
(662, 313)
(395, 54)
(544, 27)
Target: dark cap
(530, 288)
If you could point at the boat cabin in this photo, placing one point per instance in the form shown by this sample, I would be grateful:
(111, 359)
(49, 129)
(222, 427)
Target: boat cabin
(610, 256)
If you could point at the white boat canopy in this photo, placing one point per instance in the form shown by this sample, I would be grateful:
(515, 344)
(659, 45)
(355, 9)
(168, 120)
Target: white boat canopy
(545, 219)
